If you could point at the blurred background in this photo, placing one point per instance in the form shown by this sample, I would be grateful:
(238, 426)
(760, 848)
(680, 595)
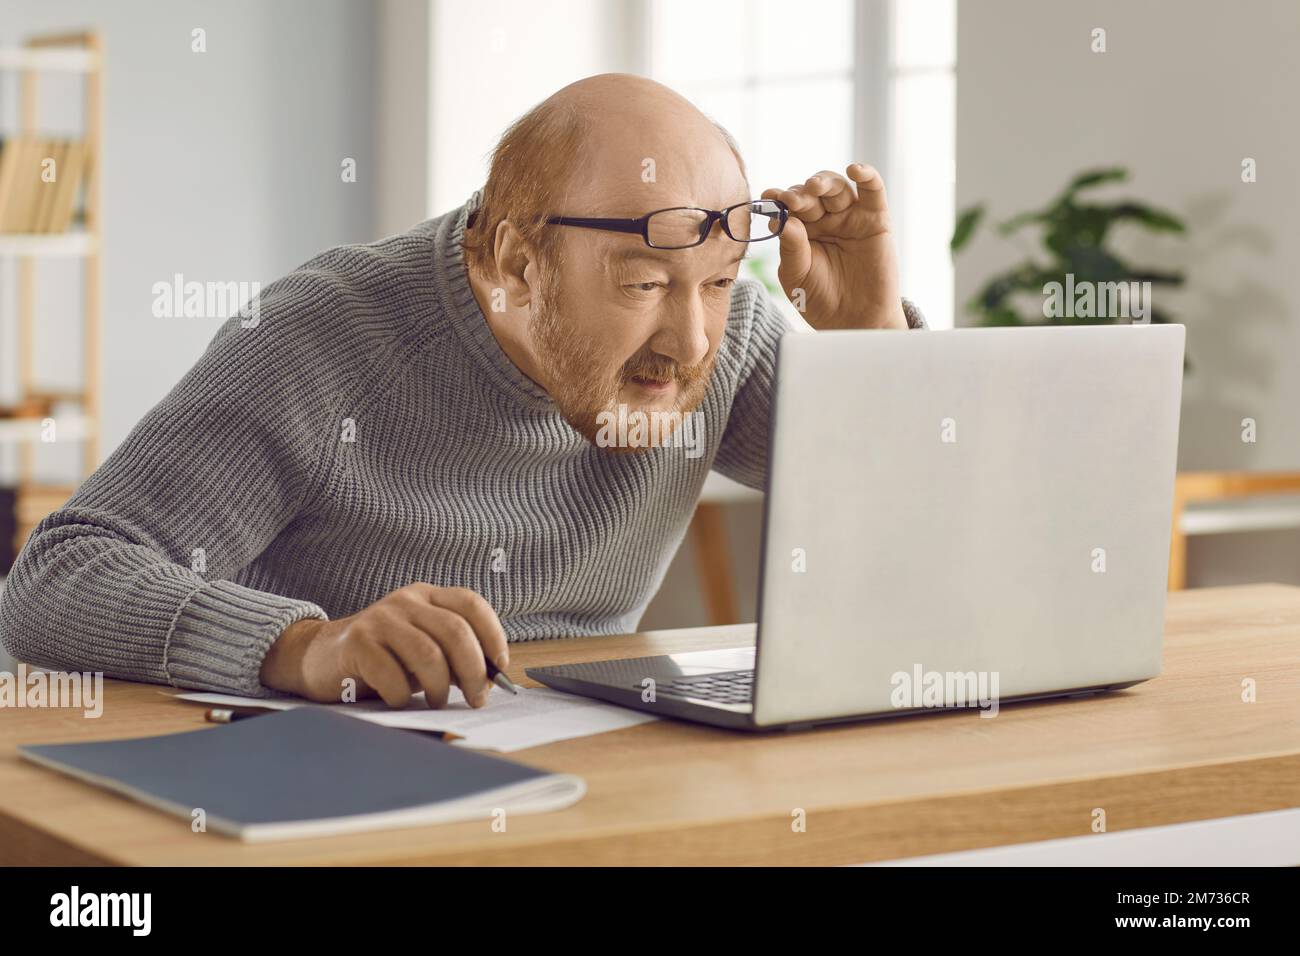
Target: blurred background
(223, 163)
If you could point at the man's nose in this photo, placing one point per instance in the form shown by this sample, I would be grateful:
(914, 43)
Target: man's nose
(683, 332)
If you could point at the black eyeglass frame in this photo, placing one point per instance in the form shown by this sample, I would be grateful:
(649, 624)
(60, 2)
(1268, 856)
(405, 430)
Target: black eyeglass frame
(641, 226)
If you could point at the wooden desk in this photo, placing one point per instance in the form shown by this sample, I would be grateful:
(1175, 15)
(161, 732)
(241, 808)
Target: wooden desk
(1180, 748)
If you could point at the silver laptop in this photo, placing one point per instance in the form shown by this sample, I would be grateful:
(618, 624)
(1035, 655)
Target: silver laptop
(953, 519)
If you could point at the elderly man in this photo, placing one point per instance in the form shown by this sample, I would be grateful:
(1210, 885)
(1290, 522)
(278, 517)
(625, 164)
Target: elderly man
(402, 467)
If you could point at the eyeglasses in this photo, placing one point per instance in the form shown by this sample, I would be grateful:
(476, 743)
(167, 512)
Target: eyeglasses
(684, 226)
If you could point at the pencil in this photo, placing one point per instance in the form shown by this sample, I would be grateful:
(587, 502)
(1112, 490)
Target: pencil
(226, 715)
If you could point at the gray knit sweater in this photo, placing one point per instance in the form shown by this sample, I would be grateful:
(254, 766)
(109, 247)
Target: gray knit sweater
(369, 432)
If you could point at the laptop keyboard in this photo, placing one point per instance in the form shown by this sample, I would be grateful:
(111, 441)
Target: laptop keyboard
(728, 687)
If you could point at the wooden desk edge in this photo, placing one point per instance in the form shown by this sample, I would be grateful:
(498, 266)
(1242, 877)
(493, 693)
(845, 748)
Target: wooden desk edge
(833, 836)
(858, 833)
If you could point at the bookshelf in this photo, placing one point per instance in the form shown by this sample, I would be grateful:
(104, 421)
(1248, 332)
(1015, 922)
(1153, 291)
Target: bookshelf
(36, 223)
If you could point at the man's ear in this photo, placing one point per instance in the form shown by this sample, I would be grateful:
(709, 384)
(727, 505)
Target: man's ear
(516, 270)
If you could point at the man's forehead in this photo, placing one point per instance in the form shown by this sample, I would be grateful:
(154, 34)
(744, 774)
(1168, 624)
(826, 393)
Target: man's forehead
(626, 195)
(637, 161)
(716, 253)
(622, 203)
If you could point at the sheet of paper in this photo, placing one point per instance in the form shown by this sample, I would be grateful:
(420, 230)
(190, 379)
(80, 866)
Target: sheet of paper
(537, 716)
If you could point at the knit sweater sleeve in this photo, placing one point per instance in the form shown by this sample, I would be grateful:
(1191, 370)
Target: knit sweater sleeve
(742, 454)
(129, 577)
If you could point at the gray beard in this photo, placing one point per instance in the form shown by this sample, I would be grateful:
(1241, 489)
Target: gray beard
(581, 396)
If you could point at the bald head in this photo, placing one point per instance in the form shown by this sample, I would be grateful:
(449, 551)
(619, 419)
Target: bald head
(610, 145)
(645, 147)
(594, 316)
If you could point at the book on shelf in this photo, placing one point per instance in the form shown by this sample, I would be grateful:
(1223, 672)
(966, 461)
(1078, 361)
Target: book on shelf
(43, 207)
(9, 150)
(74, 171)
(33, 200)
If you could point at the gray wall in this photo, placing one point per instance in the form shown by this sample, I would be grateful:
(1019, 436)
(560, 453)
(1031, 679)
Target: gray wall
(402, 115)
(1186, 89)
(222, 166)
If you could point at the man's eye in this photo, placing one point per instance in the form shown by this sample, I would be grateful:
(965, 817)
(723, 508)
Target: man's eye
(645, 286)
(724, 283)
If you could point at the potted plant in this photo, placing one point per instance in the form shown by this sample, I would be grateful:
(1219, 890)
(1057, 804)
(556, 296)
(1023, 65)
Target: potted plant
(1074, 256)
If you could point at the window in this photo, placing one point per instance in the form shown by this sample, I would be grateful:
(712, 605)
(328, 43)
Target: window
(822, 84)
(791, 114)
(922, 144)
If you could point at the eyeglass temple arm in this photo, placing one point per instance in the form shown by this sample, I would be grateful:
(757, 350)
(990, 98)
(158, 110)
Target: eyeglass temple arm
(635, 226)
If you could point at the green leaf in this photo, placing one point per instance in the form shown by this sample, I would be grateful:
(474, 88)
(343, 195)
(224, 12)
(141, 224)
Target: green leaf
(1075, 237)
(965, 228)
(1096, 177)
(1155, 219)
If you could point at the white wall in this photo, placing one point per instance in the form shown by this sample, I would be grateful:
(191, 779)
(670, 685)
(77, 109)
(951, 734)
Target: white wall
(1186, 89)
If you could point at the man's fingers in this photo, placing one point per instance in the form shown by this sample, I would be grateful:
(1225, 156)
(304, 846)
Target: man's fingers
(376, 665)
(423, 658)
(804, 203)
(799, 202)
(462, 649)
(474, 608)
(796, 255)
(817, 197)
(871, 188)
(833, 190)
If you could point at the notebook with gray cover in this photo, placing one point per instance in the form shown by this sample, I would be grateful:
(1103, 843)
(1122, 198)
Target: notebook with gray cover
(308, 772)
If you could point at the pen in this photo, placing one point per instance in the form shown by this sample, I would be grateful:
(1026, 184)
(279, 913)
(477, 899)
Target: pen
(226, 715)
(498, 677)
